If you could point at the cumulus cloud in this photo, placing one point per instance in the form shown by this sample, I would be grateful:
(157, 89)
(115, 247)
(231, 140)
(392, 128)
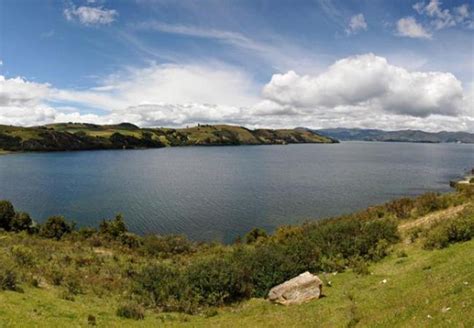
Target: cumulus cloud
(360, 91)
(371, 82)
(356, 24)
(91, 15)
(409, 27)
(154, 96)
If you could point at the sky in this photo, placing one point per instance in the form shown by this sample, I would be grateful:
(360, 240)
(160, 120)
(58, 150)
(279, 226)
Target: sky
(258, 63)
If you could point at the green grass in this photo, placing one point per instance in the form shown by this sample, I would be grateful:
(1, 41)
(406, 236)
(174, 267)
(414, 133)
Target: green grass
(417, 289)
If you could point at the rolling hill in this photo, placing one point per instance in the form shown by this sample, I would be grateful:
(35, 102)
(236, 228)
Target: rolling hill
(81, 136)
(397, 136)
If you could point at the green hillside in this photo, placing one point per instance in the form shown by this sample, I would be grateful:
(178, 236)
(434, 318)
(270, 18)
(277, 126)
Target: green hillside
(81, 136)
(407, 263)
(422, 284)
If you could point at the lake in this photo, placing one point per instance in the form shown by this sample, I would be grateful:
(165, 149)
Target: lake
(218, 193)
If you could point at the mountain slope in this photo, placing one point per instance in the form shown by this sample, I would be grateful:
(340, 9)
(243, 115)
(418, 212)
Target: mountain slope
(402, 135)
(79, 136)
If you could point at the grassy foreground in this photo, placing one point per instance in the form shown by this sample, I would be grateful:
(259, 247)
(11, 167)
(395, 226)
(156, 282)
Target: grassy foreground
(425, 288)
(407, 263)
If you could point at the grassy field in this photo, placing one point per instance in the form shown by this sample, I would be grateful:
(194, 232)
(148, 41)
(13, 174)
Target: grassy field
(422, 289)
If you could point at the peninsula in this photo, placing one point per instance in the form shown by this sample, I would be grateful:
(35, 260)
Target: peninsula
(82, 136)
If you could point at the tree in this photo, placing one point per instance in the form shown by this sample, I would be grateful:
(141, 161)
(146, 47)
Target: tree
(22, 221)
(7, 213)
(114, 228)
(56, 227)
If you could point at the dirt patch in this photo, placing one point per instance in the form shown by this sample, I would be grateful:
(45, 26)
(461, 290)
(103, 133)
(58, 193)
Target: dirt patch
(432, 218)
(103, 252)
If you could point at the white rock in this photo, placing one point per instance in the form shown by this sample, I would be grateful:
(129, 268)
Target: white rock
(298, 290)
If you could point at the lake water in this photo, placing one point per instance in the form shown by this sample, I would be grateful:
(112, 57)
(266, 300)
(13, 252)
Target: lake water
(217, 193)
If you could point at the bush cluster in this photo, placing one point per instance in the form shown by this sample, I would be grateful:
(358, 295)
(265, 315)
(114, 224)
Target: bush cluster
(457, 229)
(250, 270)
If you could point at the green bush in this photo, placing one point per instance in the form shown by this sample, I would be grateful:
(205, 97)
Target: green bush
(131, 311)
(254, 235)
(401, 208)
(23, 256)
(430, 202)
(163, 286)
(130, 240)
(359, 266)
(451, 231)
(166, 246)
(56, 227)
(21, 222)
(7, 213)
(8, 279)
(113, 228)
(218, 280)
(72, 285)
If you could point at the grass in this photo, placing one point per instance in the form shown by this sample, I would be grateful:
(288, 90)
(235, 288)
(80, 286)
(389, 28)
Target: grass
(426, 288)
(411, 287)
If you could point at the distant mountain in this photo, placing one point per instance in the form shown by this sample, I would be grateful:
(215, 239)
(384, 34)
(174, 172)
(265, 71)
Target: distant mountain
(80, 136)
(394, 136)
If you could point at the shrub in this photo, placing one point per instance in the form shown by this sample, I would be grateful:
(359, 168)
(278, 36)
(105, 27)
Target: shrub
(91, 320)
(159, 285)
(21, 222)
(359, 266)
(8, 279)
(113, 228)
(7, 213)
(401, 208)
(57, 277)
(131, 311)
(23, 256)
(86, 232)
(430, 202)
(415, 233)
(254, 235)
(130, 240)
(56, 227)
(218, 280)
(73, 285)
(458, 229)
(167, 245)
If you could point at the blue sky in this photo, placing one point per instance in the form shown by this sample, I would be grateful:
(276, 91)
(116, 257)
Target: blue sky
(163, 62)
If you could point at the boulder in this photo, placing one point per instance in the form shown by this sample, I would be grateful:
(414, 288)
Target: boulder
(297, 290)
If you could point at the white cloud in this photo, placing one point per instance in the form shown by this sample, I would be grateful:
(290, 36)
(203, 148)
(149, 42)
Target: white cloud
(443, 18)
(356, 24)
(91, 15)
(273, 50)
(368, 81)
(409, 27)
(173, 84)
(359, 91)
(154, 96)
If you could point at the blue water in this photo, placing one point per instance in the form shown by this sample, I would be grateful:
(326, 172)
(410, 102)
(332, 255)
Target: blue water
(217, 193)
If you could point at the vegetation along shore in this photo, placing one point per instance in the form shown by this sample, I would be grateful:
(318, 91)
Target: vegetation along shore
(82, 136)
(407, 262)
